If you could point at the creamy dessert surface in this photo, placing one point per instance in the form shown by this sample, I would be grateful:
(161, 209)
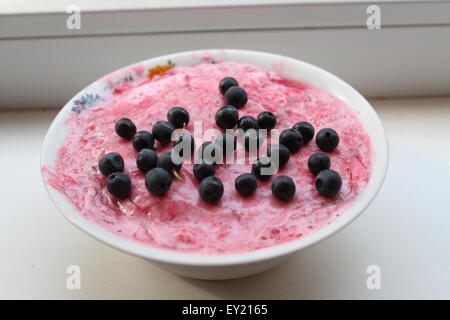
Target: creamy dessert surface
(181, 220)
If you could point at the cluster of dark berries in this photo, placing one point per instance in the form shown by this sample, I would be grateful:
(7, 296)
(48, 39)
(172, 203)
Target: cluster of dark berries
(291, 140)
(158, 169)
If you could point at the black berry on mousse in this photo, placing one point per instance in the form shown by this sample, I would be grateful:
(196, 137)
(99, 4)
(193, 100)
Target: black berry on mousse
(143, 140)
(292, 139)
(266, 120)
(125, 128)
(327, 139)
(211, 189)
(236, 96)
(119, 185)
(146, 160)
(306, 130)
(279, 154)
(283, 188)
(317, 162)
(178, 116)
(203, 170)
(246, 184)
(158, 181)
(110, 163)
(328, 182)
(227, 83)
(227, 117)
(162, 131)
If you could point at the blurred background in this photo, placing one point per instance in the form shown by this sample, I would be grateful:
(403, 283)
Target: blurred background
(41, 45)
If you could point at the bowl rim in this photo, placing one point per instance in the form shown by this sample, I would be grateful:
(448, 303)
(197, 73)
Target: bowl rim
(379, 170)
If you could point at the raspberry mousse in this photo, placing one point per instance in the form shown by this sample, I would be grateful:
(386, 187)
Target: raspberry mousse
(116, 163)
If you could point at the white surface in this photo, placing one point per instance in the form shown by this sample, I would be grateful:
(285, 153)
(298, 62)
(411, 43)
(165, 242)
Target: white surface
(405, 231)
(238, 265)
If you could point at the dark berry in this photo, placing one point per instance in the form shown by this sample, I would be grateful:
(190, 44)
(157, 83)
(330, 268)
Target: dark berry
(253, 140)
(317, 162)
(292, 139)
(184, 142)
(227, 117)
(125, 128)
(158, 181)
(327, 139)
(211, 189)
(226, 83)
(111, 162)
(328, 182)
(226, 142)
(283, 188)
(247, 122)
(143, 140)
(236, 96)
(178, 116)
(246, 184)
(119, 185)
(279, 154)
(203, 170)
(210, 152)
(306, 129)
(263, 168)
(162, 131)
(266, 120)
(146, 160)
(169, 161)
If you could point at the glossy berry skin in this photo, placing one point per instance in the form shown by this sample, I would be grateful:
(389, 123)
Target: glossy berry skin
(266, 120)
(236, 97)
(247, 122)
(292, 139)
(207, 152)
(306, 130)
(211, 189)
(227, 83)
(283, 154)
(262, 162)
(143, 140)
(111, 162)
(166, 162)
(125, 128)
(283, 188)
(318, 161)
(119, 185)
(253, 140)
(162, 131)
(227, 143)
(158, 181)
(227, 117)
(327, 139)
(246, 184)
(203, 170)
(328, 182)
(186, 140)
(178, 116)
(146, 160)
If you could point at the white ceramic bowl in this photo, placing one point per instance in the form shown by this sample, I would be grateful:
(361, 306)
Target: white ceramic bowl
(235, 265)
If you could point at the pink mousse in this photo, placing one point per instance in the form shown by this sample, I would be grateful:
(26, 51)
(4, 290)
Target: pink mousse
(181, 220)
